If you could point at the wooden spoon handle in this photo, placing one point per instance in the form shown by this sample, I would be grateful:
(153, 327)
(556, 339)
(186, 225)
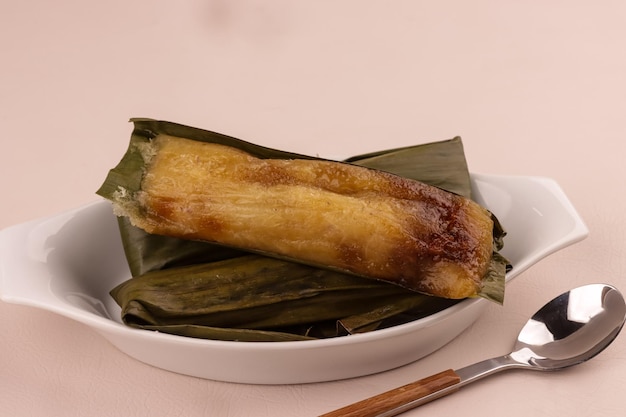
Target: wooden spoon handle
(387, 401)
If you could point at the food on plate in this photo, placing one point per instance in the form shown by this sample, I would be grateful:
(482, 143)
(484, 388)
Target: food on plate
(345, 217)
(186, 196)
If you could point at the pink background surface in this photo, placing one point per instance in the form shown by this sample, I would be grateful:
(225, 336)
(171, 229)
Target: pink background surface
(534, 88)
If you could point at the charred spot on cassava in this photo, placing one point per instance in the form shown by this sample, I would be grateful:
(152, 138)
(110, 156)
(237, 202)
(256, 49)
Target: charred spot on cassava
(329, 214)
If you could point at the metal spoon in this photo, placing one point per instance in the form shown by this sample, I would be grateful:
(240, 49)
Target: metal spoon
(570, 329)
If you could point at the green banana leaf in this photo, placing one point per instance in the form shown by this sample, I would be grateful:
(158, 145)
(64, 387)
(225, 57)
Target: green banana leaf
(306, 302)
(258, 293)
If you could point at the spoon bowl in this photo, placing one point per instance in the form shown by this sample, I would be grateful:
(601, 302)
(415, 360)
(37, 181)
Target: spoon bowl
(570, 329)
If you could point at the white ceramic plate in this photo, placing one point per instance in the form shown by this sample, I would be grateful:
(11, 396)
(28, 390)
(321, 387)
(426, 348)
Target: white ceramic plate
(68, 263)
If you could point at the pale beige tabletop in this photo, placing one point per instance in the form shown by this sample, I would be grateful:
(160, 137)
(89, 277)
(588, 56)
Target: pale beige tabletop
(533, 88)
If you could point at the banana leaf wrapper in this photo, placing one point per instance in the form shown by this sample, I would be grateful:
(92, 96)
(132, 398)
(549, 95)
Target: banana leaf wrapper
(322, 304)
(241, 296)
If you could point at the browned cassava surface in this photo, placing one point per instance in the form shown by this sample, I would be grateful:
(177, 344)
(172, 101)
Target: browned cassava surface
(331, 214)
